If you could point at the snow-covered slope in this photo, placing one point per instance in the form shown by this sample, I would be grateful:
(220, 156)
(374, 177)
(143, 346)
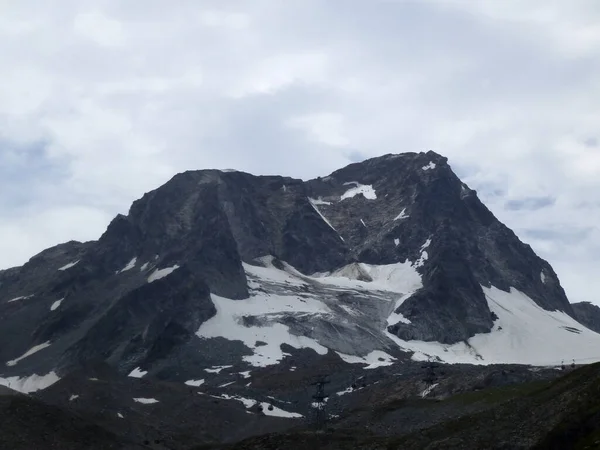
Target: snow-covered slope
(345, 311)
(523, 332)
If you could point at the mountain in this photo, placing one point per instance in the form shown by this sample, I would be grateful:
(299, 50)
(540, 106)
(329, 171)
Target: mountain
(218, 275)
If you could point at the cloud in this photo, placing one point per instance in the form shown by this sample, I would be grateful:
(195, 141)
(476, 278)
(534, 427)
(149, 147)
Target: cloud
(101, 101)
(531, 203)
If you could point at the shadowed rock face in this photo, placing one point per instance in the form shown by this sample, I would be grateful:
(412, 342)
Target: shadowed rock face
(198, 229)
(587, 314)
(467, 246)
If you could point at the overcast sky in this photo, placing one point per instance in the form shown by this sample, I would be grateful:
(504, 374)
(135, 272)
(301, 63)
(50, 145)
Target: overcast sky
(103, 100)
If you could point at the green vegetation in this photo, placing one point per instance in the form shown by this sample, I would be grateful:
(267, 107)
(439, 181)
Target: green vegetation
(499, 394)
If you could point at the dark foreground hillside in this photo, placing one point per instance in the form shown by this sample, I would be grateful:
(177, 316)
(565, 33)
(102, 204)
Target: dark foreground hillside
(28, 424)
(561, 414)
(471, 407)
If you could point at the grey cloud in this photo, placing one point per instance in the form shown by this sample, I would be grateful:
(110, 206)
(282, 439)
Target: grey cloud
(568, 236)
(531, 203)
(298, 88)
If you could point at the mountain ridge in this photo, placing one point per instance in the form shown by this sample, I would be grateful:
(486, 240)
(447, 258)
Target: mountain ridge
(396, 248)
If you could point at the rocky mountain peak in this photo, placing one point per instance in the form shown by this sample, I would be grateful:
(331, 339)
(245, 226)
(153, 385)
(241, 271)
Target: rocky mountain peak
(226, 268)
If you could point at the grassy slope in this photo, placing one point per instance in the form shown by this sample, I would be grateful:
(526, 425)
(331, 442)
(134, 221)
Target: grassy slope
(563, 414)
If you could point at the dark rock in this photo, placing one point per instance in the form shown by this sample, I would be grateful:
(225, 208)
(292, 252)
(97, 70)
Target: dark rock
(588, 314)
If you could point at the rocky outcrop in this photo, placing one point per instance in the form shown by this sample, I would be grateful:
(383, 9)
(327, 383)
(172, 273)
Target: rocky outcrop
(588, 314)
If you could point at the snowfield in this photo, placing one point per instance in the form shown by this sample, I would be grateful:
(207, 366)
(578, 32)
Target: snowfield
(228, 323)
(524, 333)
(256, 321)
(399, 278)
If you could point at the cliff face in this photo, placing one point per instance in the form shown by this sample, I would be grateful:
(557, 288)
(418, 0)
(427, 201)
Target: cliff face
(588, 314)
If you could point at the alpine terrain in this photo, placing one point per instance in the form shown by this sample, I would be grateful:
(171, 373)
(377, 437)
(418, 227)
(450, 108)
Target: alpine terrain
(204, 316)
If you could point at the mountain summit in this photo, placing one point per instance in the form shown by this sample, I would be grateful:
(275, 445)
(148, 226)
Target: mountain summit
(390, 258)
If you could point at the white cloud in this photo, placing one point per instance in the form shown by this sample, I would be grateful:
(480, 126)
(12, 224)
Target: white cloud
(101, 101)
(325, 128)
(101, 29)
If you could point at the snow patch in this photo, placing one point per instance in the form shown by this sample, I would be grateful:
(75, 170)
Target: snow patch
(421, 261)
(144, 267)
(68, 266)
(161, 273)
(137, 373)
(31, 383)
(344, 392)
(245, 374)
(25, 297)
(543, 277)
(194, 383)
(367, 191)
(375, 359)
(427, 391)
(130, 265)
(229, 323)
(429, 166)
(424, 255)
(426, 244)
(120, 416)
(363, 222)
(319, 201)
(56, 304)
(396, 317)
(29, 352)
(402, 215)
(145, 401)
(325, 219)
(397, 242)
(217, 369)
(227, 384)
(268, 409)
(278, 412)
(73, 397)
